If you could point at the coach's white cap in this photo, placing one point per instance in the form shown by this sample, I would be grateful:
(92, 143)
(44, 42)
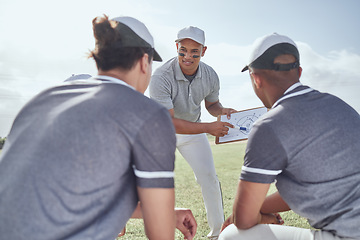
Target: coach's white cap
(135, 34)
(192, 33)
(267, 48)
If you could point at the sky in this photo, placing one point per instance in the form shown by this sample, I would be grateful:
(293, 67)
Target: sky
(44, 42)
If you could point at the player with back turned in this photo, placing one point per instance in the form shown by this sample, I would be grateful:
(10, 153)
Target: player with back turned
(308, 144)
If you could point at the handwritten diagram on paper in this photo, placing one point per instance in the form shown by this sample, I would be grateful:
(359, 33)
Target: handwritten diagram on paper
(243, 122)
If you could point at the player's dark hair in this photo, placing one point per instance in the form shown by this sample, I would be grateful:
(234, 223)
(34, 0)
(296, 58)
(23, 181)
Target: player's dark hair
(109, 52)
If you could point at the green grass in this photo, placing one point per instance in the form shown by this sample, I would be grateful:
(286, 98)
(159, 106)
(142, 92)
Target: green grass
(228, 160)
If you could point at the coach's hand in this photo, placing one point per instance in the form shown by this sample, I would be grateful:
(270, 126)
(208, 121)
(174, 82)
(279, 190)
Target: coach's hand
(218, 128)
(228, 112)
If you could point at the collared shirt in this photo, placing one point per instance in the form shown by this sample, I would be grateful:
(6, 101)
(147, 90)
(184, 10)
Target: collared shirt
(309, 143)
(81, 150)
(169, 87)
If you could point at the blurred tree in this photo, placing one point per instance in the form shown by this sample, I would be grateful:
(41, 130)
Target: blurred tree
(2, 141)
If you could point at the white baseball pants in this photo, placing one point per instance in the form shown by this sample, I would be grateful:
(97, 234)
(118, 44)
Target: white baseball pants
(195, 148)
(276, 232)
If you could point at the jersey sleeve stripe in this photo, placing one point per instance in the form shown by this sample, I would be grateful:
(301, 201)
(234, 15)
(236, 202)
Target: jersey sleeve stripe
(159, 174)
(261, 171)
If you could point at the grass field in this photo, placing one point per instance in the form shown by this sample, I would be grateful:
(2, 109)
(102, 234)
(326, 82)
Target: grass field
(228, 160)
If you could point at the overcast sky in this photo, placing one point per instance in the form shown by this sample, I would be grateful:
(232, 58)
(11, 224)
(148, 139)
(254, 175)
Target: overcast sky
(43, 42)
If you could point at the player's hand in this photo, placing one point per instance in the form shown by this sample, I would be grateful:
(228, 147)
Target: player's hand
(186, 222)
(228, 112)
(227, 222)
(122, 233)
(219, 129)
(271, 218)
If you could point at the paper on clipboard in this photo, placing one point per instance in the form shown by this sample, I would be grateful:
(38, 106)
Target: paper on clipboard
(243, 122)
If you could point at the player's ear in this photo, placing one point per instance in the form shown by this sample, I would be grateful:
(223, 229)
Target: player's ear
(144, 63)
(203, 51)
(257, 80)
(300, 71)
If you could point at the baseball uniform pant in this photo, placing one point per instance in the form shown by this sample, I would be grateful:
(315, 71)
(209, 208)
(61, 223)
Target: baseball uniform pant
(195, 148)
(276, 232)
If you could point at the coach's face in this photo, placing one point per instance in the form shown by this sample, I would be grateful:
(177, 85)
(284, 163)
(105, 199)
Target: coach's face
(189, 55)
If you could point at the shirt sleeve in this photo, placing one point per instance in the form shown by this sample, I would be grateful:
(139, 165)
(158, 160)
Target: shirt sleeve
(160, 91)
(215, 83)
(265, 158)
(154, 152)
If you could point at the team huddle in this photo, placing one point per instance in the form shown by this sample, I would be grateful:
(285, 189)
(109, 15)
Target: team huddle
(84, 157)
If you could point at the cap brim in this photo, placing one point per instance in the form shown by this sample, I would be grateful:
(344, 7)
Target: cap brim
(157, 57)
(245, 68)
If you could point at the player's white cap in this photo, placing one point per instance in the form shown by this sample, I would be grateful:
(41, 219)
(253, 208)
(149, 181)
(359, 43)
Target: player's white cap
(192, 33)
(135, 34)
(267, 48)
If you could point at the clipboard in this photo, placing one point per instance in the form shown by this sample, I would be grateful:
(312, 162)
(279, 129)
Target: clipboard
(243, 122)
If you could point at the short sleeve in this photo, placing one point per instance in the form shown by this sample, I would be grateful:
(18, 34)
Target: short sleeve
(215, 83)
(154, 152)
(160, 91)
(265, 158)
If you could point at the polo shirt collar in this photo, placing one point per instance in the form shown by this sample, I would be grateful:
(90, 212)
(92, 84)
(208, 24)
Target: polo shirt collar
(109, 79)
(293, 93)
